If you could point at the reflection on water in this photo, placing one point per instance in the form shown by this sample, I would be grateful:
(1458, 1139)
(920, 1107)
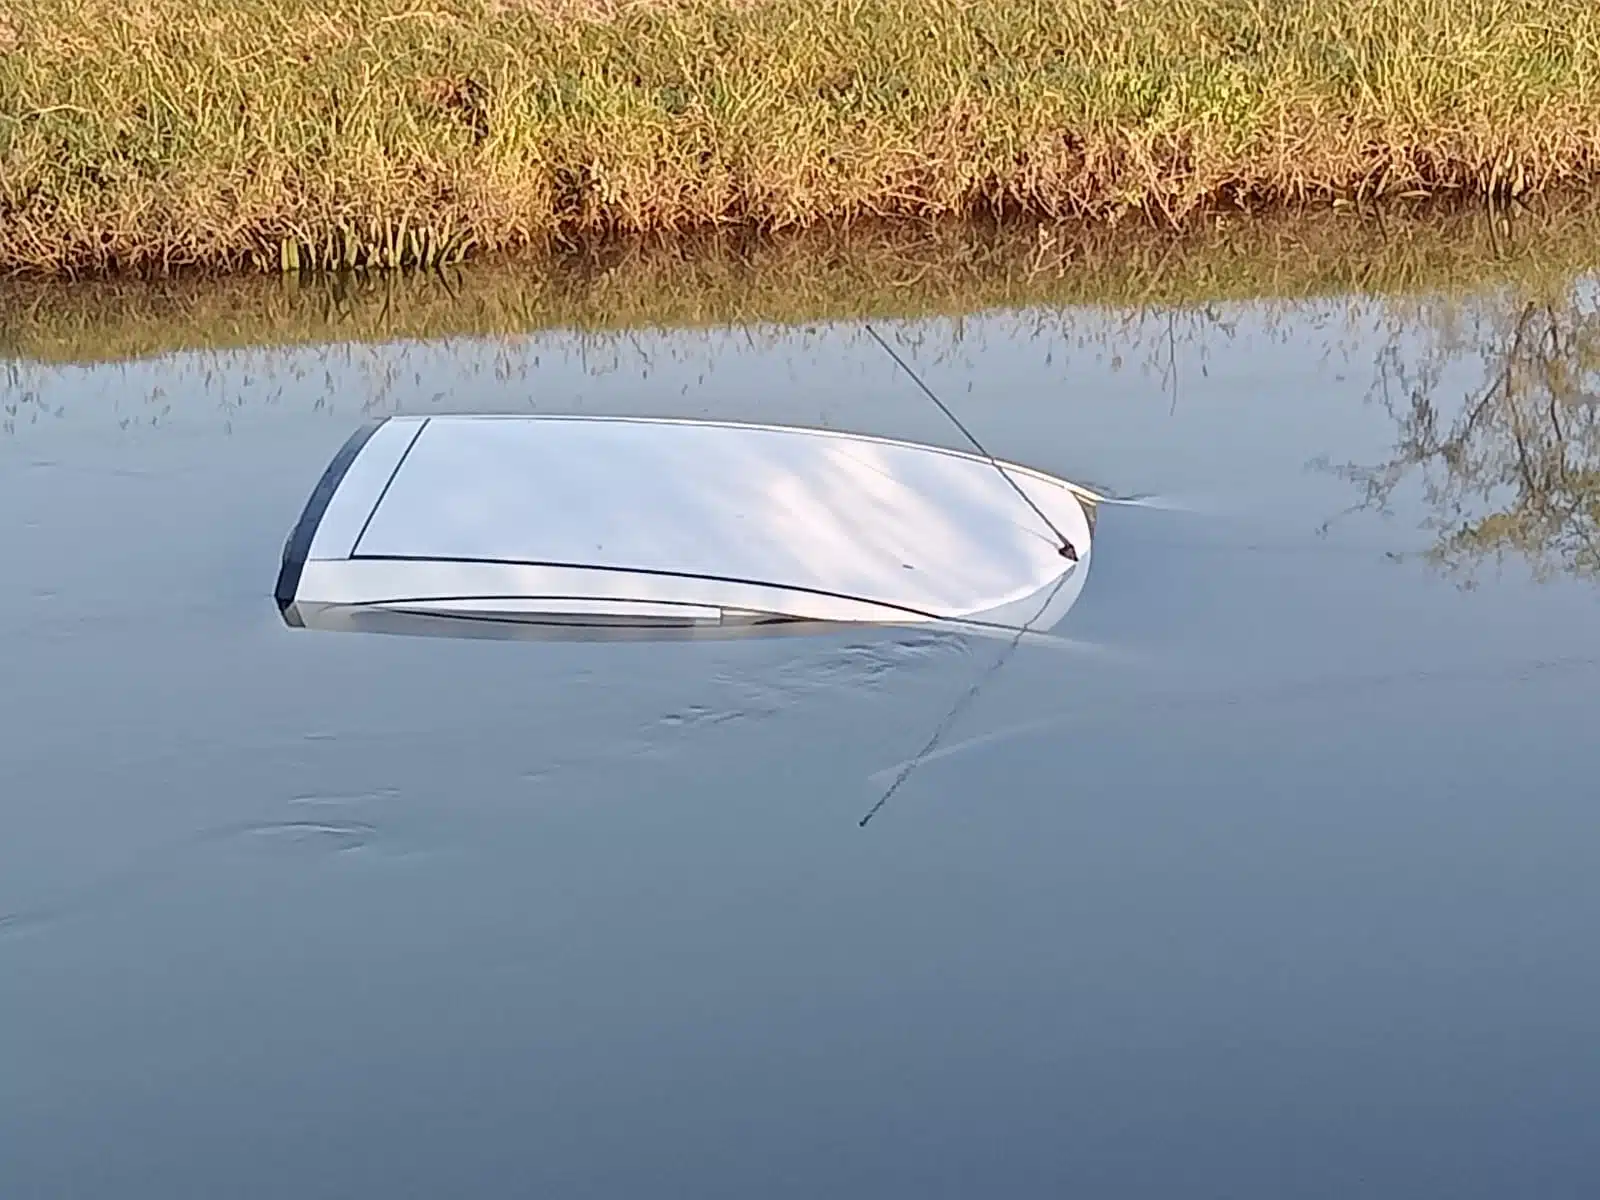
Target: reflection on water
(1489, 384)
(1509, 467)
(820, 276)
(1290, 891)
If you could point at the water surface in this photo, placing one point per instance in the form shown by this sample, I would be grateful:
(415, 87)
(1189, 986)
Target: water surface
(1283, 885)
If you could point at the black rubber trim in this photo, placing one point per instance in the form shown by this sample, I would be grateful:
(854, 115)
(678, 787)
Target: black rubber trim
(387, 484)
(299, 543)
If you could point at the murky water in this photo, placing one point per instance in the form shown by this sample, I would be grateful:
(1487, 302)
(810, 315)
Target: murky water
(1284, 884)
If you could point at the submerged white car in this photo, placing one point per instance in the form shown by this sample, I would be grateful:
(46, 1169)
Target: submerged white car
(586, 526)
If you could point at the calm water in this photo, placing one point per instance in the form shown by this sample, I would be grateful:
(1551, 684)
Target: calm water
(1283, 886)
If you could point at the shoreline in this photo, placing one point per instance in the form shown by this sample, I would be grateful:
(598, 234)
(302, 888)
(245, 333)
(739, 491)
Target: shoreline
(815, 277)
(268, 136)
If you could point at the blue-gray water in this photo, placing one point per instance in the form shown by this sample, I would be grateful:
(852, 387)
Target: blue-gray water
(1286, 886)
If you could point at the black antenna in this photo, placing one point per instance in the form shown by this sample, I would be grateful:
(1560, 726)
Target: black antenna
(1067, 550)
(966, 698)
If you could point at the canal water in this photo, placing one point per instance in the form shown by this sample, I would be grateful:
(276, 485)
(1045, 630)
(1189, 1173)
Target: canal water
(1280, 881)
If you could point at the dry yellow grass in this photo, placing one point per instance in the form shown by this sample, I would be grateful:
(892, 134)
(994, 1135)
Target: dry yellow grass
(154, 134)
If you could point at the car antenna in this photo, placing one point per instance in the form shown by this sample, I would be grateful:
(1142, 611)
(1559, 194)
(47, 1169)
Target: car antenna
(1067, 550)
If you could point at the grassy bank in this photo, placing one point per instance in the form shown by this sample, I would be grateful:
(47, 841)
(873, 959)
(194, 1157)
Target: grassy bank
(817, 275)
(151, 134)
